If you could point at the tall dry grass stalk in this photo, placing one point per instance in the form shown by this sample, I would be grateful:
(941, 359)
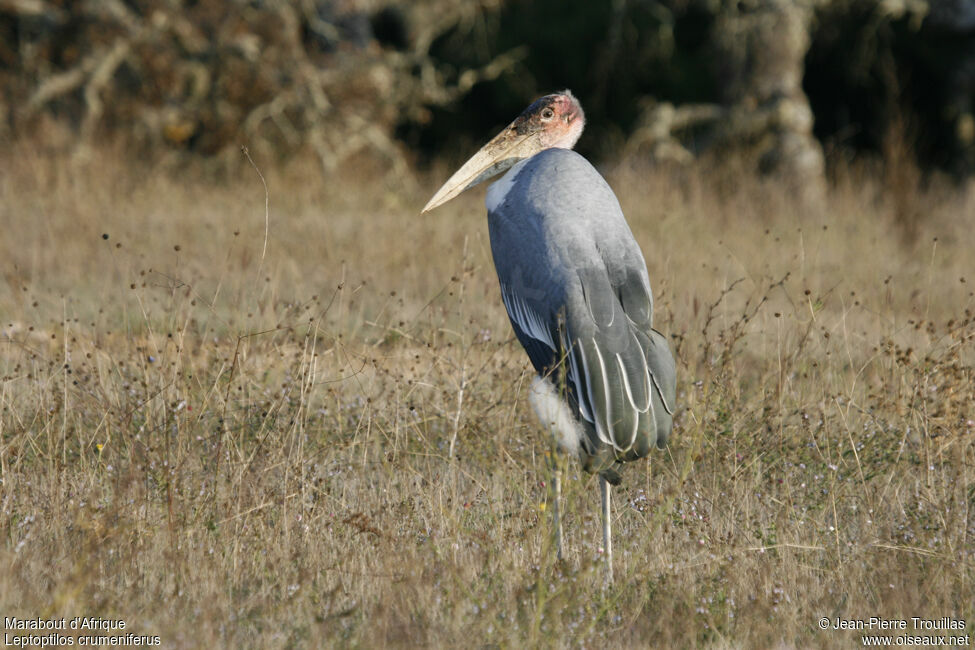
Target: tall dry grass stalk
(241, 458)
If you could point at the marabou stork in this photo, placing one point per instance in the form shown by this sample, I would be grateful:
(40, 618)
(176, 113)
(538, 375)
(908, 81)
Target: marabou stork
(576, 289)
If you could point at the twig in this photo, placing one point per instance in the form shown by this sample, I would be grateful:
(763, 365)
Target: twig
(267, 201)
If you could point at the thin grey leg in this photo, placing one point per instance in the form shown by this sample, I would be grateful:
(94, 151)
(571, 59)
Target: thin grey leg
(557, 512)
(607, 533)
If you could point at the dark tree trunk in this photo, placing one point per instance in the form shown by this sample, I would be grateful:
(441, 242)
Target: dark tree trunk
(761, 50)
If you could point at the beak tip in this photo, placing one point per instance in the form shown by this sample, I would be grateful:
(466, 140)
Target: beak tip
(438, 199)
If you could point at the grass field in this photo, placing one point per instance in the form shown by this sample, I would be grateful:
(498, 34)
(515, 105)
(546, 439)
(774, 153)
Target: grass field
(232, 446)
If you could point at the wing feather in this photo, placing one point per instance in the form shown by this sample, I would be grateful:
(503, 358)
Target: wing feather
(629, 396)
(527, 318)
(604, 399)
(578, 379)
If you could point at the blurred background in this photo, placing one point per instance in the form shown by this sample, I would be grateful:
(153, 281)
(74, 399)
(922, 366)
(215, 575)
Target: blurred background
(256, 401)
(788, 87)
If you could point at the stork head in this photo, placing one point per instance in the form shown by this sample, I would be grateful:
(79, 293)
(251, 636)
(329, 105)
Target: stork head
(552, 121)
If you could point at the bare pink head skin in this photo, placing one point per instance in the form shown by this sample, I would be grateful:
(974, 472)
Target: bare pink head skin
(557, 118)
(553, 121)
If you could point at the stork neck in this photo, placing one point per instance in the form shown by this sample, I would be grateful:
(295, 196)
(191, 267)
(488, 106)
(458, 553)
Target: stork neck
(568, 141)
(499, 190)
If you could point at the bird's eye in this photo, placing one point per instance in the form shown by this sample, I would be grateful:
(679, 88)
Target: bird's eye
(548, 114)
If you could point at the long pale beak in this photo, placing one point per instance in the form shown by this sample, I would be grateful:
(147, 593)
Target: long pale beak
(498, 155)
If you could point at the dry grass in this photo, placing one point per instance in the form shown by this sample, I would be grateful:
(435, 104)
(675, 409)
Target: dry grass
(233, 451)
